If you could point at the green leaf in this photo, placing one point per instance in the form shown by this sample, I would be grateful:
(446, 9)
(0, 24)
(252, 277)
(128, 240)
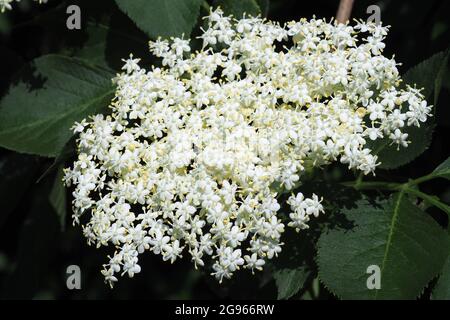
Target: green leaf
(443, 170)
(162, 18)
(57, 197)
(295, 267)
(391, 157)
(295, 264)
(54, 92)
(442, 289)
(238, 8)
(428, 75)
(407, 245)
(290, 281)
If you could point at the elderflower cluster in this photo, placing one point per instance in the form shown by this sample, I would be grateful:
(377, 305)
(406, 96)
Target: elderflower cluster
(6, 4)
(196, 153)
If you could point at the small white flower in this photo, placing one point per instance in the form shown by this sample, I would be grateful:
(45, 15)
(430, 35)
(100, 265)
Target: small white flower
(399, 138)
(253, 262)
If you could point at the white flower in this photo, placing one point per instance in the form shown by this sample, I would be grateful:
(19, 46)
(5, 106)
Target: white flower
(400, 138)
(302, 209)
(172, 252)
(194, 155)
(109, 276)
(235, 236)
(159, 241)
(254, 262)
(376, 111)
(131, 64)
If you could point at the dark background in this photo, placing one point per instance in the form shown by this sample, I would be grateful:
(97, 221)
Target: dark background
(36, 248)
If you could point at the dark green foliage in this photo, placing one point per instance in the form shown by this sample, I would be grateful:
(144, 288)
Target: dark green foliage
(408, 247)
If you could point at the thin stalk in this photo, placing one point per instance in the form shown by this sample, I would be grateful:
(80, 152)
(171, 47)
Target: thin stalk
(422, 179)
(384, 185)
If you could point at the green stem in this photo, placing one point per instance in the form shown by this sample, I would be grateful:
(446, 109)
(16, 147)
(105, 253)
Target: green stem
(359, 184)
(422, 179)
(431, 200)
(359, 180)
(418, 193)
(374, 185)
(402, 187)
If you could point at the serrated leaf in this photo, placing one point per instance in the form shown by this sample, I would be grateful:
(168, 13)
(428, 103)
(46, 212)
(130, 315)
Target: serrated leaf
(55, 91)
(441, 290)
(238, 8)
(162, 18)
(391, 157)
(295, 266)
(407, 245)
(290, 281)
(428, 75)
